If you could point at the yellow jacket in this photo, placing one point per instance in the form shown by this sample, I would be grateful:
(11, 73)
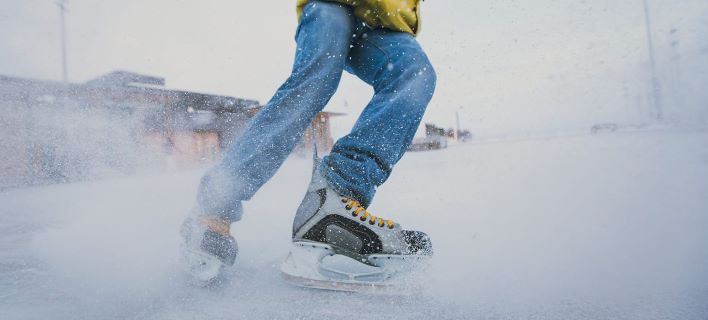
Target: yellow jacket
(397, 15)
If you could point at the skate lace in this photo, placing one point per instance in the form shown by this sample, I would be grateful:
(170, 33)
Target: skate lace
(357, 208)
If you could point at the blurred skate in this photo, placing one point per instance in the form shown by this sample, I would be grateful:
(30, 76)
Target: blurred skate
(207, 247)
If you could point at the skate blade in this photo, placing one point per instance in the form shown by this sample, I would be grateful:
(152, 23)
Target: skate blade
(345, 286)
(317, 265)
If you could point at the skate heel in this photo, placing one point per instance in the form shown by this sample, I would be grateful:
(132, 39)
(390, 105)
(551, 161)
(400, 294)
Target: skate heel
(304, 260)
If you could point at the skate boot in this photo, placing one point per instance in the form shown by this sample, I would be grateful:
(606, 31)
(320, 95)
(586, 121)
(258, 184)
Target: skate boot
(339, 245)
(207, 247)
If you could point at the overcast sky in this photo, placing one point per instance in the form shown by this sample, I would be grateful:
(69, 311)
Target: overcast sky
(506, 66)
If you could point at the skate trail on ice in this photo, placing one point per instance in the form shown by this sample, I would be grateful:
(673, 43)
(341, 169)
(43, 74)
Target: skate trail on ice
(594, 227)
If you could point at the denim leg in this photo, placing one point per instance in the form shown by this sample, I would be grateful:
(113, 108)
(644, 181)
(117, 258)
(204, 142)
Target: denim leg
(323, 39)
(403, 80)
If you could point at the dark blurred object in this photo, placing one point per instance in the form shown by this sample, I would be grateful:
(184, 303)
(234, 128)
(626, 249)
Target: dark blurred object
(604, 127)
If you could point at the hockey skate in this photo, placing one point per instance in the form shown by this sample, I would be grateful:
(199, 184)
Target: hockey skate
(207, 247)
(339, 245)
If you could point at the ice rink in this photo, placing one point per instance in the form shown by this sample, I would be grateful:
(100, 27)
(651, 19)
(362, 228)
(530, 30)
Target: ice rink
(610, 226)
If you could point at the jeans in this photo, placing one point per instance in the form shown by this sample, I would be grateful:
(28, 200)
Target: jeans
(330, 39)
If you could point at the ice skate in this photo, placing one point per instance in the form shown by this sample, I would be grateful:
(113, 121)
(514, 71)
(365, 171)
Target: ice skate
(339, 245)
(207, 247)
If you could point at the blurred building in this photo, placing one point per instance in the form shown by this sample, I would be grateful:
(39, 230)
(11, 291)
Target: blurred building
(119, 123)
(435, 138)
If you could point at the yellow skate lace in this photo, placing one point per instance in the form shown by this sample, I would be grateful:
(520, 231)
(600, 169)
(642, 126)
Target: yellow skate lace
(358, 208)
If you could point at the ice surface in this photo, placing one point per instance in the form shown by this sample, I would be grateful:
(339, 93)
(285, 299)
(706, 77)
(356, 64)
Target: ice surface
(591, 227)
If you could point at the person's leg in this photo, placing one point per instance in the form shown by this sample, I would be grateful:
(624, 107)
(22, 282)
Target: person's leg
(333, 218)
(323, 42)
(404, 81)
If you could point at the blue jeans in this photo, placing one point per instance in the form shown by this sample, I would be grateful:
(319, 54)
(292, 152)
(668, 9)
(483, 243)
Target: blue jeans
(330, 39)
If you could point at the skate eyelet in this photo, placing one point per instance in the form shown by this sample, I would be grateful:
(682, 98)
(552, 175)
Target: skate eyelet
(358, 208)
